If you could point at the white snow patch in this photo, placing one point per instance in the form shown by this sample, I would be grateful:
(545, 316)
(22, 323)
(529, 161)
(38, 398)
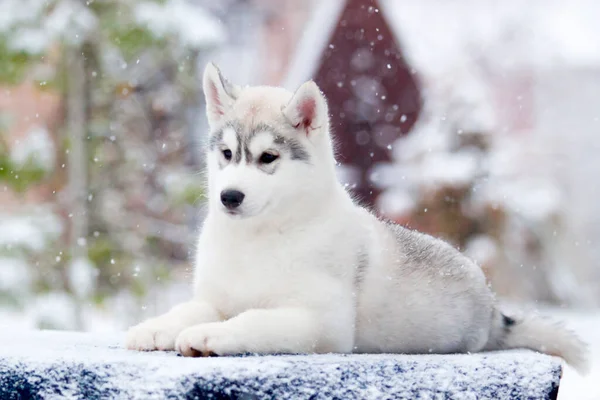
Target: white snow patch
(82, 275)
(154, 375)
(31, 232)
(21, 232)
(425, 138)
(191, 24)
(395, 202)
(15, 320)
(530, 198)
(70, 21)
(388, 175)
(14, 274)
(454, 169)
(55, 309)
(508, 34)
(481, 249)
(19, 12)
(36, 146)
(434, 169)
(29, 40)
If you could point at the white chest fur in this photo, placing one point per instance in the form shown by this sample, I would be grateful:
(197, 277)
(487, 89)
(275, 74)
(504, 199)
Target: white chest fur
(238, 271)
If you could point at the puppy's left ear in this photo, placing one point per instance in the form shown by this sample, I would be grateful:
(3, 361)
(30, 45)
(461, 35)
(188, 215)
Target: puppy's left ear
(307, 110)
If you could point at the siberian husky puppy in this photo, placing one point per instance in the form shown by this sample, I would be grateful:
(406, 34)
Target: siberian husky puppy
(287, 262)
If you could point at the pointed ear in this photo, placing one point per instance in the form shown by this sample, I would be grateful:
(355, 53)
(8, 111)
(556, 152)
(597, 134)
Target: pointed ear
(219, 93)
(307, 110)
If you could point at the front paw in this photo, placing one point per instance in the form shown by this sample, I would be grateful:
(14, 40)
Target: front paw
(153, 334)
(207, 340)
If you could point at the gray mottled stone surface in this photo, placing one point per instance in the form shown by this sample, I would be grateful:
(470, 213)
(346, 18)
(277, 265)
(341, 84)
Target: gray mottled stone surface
(49, 365)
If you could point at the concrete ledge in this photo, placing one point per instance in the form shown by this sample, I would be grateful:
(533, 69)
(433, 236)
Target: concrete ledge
(53, 365)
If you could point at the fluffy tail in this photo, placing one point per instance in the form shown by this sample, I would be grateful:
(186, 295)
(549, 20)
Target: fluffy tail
(539, 334)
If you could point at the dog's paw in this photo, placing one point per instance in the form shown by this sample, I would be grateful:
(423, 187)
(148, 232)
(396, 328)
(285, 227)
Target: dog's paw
(153, 334)
(213, 339)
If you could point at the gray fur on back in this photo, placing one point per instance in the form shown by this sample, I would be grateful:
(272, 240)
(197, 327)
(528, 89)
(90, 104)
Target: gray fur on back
(428, 254)
(436, 298)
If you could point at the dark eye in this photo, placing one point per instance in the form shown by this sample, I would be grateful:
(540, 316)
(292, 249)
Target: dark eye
(268, 158)
(227, 154)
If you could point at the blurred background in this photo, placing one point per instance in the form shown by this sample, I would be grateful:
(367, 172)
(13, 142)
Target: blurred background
(474, 120)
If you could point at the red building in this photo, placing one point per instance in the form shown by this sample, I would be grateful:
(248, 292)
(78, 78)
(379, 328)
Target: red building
(349, 49)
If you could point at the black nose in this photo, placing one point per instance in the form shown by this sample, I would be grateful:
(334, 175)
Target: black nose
(232, 198)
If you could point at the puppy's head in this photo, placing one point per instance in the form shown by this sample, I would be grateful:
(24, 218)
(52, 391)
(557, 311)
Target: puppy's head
(268, 149)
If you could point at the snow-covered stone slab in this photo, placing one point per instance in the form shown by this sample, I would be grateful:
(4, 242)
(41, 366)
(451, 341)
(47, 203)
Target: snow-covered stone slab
(51, 365)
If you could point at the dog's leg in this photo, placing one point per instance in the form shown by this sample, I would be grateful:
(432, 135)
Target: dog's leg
(283, 330)
(159, 333)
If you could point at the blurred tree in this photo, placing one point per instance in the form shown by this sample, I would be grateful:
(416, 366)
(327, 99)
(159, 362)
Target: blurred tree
(127, 73)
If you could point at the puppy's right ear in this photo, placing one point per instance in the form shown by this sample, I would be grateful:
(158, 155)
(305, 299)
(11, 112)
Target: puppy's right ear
(219, 94)
(307, 110)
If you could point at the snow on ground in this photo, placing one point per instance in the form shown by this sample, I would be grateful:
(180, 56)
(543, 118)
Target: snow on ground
(573, 385)
(57, 364)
